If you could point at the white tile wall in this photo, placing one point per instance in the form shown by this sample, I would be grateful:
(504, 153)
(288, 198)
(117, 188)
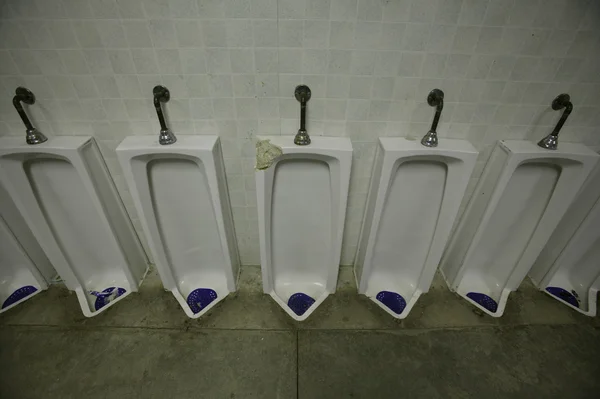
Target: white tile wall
(232, 66)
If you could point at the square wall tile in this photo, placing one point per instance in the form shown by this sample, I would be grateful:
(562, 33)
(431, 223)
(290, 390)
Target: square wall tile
(232, 66)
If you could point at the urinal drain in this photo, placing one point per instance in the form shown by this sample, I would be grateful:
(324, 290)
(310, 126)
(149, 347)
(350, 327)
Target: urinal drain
(200, 298)
(564, 295)
(484, 301)
(299, 303)
(392, 300)
(107, 296)
(19, 294)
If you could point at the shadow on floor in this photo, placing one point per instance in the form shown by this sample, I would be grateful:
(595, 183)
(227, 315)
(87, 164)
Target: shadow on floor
(247, 347)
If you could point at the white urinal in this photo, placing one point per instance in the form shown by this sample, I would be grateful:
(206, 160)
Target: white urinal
(65, 194)
(24, 268)
(568, 269)
(414, 196)
(523, 193)
(301, 209)
(180, 193)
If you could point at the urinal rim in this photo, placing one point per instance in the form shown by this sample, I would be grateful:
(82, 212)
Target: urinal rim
(308, 312)
(393, 156)
(72, 149)
(501, 303)
(592, 301)
(405, 312)
(198, 149)
(39, 289)
(85, 307)
(183, 303)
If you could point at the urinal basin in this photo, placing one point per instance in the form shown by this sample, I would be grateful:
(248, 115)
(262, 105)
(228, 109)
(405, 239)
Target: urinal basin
(519, 200)
(568, 269)
(65, 194)
(180, 193)
(301, 209)
(24, 268)
(414, 196)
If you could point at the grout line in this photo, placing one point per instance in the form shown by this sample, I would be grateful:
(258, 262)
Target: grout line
(297, 364)
(62, 327)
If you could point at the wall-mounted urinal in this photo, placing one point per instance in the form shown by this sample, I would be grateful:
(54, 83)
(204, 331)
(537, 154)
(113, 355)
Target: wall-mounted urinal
(524, 191)
(63, 189)
(415, 192)
(180, 192)
(24, 268)
(301, 189)
(568, 269)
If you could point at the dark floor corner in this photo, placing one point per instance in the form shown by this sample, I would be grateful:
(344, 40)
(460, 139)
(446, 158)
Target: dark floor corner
(134, 363)
(520, 362)
(247, 347)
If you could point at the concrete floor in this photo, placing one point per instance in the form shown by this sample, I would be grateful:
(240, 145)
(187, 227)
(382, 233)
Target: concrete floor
(247, 347)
